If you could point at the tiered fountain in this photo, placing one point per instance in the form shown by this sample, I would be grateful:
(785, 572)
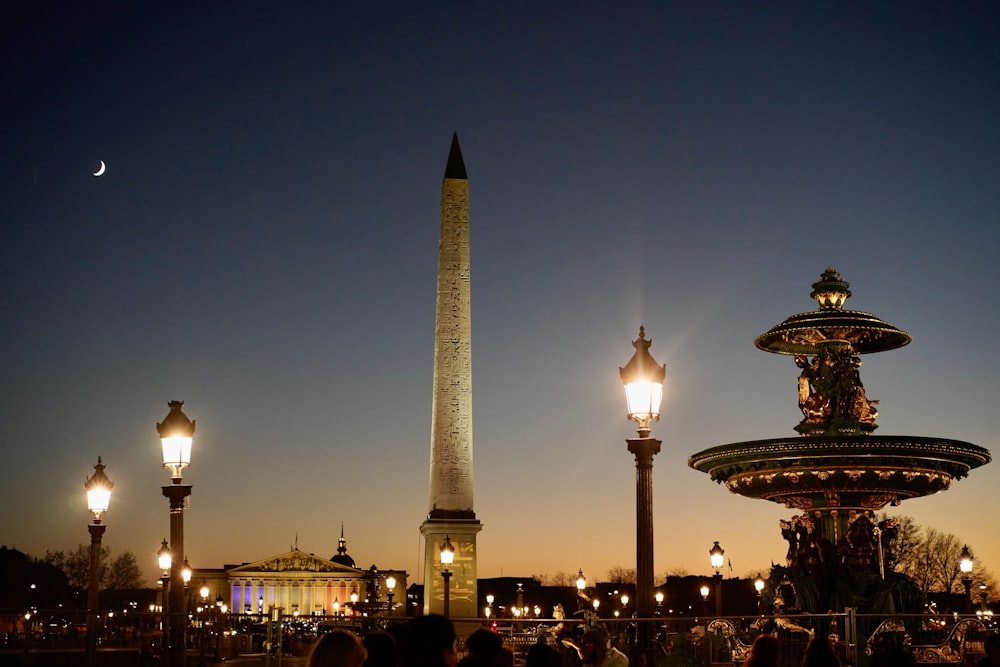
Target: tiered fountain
(835, 472)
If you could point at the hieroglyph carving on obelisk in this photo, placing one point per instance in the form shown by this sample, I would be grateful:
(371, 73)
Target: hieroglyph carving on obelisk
(451, 508)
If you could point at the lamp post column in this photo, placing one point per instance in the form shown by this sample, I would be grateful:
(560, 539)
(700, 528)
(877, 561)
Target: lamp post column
(644, 450)
(446, 575)
(176, 494)
(718, 593)
(94, 590)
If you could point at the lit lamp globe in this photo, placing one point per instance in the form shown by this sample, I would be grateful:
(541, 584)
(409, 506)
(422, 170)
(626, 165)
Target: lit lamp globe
(716, 554)
(704, 590)
(98, 488)
(447, 552)
(176, 434)
(581, 581)
(390, 583)
(163, 557)
(643, 380)
(186, 572)
(758, 584)
(965, 561)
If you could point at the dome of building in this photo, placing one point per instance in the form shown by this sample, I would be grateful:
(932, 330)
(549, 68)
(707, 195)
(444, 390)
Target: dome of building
(342, 558)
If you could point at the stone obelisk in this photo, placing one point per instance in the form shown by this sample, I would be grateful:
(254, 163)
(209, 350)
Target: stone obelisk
(451, 514)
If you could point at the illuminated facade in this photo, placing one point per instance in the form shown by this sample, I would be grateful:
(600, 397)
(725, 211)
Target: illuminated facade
(299, 583)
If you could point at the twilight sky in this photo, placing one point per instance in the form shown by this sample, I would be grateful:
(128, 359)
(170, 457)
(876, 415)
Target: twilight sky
(263, 246)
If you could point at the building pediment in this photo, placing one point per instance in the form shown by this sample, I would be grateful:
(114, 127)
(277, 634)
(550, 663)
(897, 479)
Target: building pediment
(293, 561)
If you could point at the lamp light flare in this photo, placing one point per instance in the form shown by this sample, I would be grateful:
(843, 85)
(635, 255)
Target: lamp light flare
(164, 557)
(716, 554)
(447, 551)
(643, 380)
(176, 434)
(98, 488)
(965, 562)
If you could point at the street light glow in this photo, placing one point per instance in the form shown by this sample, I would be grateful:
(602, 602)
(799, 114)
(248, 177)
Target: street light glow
(176, 434)
(447, 552)
(965, 563)
(98, 488)
(643, 380)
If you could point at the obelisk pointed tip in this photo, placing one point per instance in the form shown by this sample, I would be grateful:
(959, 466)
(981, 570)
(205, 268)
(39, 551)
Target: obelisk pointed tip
(456, 165)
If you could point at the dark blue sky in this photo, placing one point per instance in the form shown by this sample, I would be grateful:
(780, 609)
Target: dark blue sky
(263, 246)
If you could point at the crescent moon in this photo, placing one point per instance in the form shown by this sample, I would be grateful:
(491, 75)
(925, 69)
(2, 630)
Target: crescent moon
(100, 170)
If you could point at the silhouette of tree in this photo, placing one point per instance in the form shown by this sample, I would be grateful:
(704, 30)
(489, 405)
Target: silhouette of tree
(621, 575)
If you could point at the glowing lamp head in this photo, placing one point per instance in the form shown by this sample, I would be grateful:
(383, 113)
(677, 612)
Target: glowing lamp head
(659, 597)
(758, 584)
(98, 488)
(716, 554)
(490, 599)
(643, 380)
(704, 592)
(965, 560)
(163, 556)
(176, 434)
(581, 581)
(203, 591)
(447, 552)
(390, 582)
(624, 600)
(186, 572)
(831, 291)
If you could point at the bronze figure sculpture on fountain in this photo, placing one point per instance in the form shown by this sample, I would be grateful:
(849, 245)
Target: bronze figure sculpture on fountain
(836, 472)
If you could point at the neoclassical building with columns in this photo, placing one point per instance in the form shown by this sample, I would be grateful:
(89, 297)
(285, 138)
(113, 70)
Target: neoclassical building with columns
(302, 584)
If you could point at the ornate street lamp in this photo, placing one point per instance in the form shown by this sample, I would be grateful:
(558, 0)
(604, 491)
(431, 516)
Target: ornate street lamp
(176, 435)
(164, 559)
(447, 558)
(390, 589)
(202, 611)
(758, 585)
(659, 603)
(98, 488)
(643, 380)
(717, 556)
(965, 566)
